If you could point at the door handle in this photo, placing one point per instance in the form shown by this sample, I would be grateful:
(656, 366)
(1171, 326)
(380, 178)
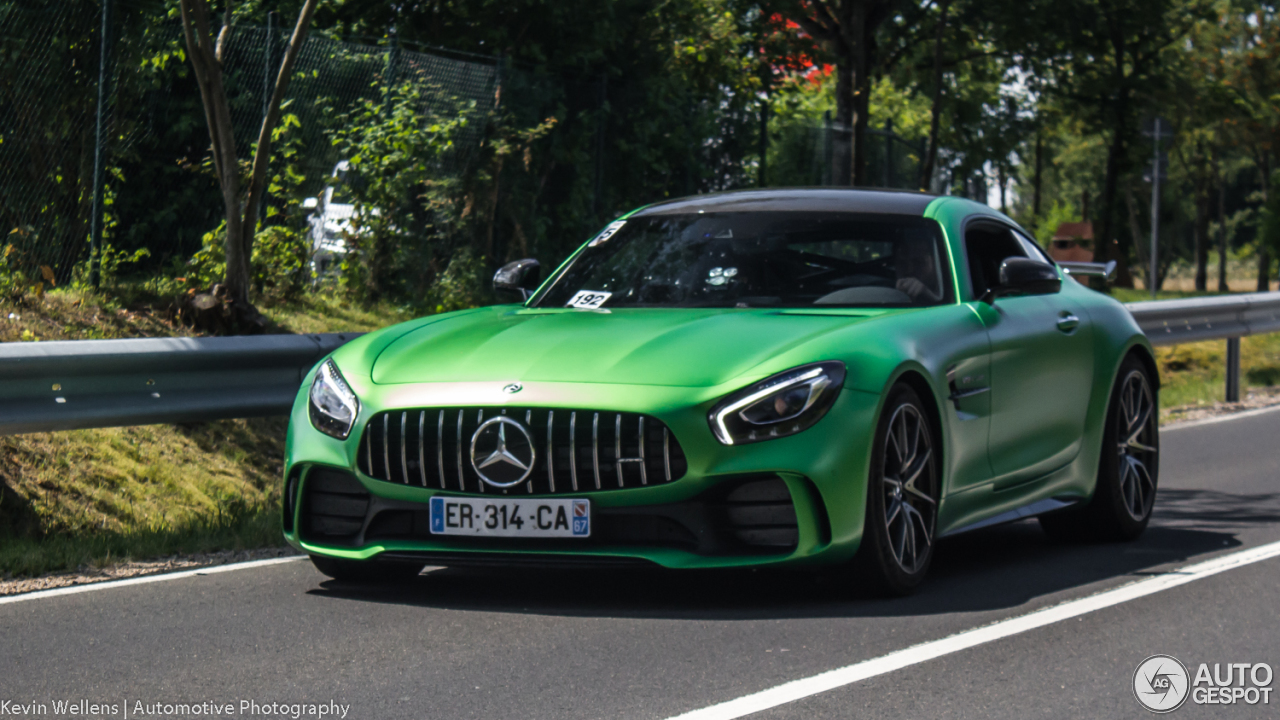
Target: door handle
(1068, 322)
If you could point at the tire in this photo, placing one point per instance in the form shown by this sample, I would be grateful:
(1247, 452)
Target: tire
(902, 497)
(1128, 469)
(365, 571)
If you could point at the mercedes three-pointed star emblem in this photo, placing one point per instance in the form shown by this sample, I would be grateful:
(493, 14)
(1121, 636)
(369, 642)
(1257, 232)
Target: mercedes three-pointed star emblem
(501, 461)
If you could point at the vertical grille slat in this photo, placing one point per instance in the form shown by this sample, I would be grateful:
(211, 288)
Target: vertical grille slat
(440, 447)
(479, 482)
(551, 453)
(617, 446)
(386, 444)
(462, 482)
(381, 458)
(666, 451)
(573, 449)
(422, 455)
(528, 422)
(595, 447)
(644, 474)
(368, 450)
(404, 463)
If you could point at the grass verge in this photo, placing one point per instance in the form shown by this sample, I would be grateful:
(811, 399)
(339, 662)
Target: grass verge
(91, 497)
(96, 497)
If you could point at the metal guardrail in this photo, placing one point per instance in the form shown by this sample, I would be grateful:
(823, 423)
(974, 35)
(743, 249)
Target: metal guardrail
(104, 383)
(1172, 322)
(1229, 317)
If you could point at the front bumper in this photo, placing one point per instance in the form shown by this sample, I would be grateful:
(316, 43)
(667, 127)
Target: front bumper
(806, 490)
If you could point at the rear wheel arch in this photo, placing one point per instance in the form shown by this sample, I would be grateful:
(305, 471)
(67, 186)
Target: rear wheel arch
(1144, 356)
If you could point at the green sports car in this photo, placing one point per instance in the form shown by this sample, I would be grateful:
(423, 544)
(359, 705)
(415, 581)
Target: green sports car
(759, 378)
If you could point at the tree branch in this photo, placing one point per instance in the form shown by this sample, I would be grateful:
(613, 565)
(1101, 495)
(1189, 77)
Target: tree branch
(224, 36)
(262, 156)
(199, 65)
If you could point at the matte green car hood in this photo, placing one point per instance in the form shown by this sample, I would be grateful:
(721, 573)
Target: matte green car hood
(671, 347)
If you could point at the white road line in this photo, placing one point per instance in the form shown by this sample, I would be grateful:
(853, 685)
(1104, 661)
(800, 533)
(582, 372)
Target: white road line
(1219, 418)
(799, 689)
(163, 577)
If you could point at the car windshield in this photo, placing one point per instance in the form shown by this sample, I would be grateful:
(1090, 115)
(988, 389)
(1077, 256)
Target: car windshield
(758, 259)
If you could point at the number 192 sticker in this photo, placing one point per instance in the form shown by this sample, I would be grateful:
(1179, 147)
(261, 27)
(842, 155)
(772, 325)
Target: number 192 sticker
(588, 299)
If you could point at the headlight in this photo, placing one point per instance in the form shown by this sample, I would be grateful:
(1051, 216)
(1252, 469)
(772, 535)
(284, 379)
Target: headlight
(782, 405)
(333, 405)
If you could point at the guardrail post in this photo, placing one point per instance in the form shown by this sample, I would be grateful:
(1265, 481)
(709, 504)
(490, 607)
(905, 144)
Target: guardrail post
(1233, 369)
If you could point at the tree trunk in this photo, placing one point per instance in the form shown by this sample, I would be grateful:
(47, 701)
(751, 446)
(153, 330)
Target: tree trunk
(1002, 178)
(1106, 247)
(862, 31)
(206, 61)
(1222, 233)
(841, 153)
(931, 151)
(1201, 235)
(1035, 183)
(1264, 254)
(239, 289)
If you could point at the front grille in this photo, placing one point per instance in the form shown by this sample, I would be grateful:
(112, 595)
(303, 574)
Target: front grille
(576, 450)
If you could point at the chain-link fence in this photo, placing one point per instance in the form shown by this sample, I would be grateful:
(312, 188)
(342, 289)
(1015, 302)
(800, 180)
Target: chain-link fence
(156, 186)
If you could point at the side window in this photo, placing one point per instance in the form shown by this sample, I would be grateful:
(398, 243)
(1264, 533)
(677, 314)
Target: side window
(985, 247)
(1032, 248)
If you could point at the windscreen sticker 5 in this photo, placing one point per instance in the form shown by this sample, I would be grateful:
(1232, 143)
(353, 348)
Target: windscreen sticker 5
(607, 232)
(588, 299)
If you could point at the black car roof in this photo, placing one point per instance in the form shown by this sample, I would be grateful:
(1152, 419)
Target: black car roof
(858, 200)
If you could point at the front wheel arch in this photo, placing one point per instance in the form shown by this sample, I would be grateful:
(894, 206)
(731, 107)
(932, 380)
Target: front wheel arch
(933, 410)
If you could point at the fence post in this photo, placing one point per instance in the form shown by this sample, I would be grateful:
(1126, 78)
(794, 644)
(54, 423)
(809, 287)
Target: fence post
(597, 182)
(393, 55)
(95, 229)
(826, 147)
(267, 57)
(1233, 369)
(888, 153)
(764, 141)
(268, 85)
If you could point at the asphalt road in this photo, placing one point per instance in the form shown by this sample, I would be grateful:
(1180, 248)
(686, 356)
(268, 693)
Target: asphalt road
(475, 644)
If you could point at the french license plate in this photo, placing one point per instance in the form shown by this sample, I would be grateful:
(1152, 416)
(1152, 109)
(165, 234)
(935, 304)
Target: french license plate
(476, 517)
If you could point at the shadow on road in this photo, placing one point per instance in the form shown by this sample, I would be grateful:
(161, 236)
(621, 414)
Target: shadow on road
(991, 569)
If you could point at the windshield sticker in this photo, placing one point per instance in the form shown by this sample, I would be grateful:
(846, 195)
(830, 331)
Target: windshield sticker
(588, 299)
(608, 232)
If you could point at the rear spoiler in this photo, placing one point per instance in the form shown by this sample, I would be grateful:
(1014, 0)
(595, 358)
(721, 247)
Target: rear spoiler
(1102, 270)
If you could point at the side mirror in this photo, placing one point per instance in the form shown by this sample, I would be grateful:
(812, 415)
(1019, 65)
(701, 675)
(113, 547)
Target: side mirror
(519, 276)
(1024, 276)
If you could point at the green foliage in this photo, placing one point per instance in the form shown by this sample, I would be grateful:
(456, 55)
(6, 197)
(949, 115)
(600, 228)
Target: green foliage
(1062, 211)
(408, 208)
(279, 268)
(461, 285)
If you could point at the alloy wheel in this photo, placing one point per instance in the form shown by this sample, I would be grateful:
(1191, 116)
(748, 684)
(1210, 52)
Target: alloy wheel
(910, 488)
(1136, 449)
